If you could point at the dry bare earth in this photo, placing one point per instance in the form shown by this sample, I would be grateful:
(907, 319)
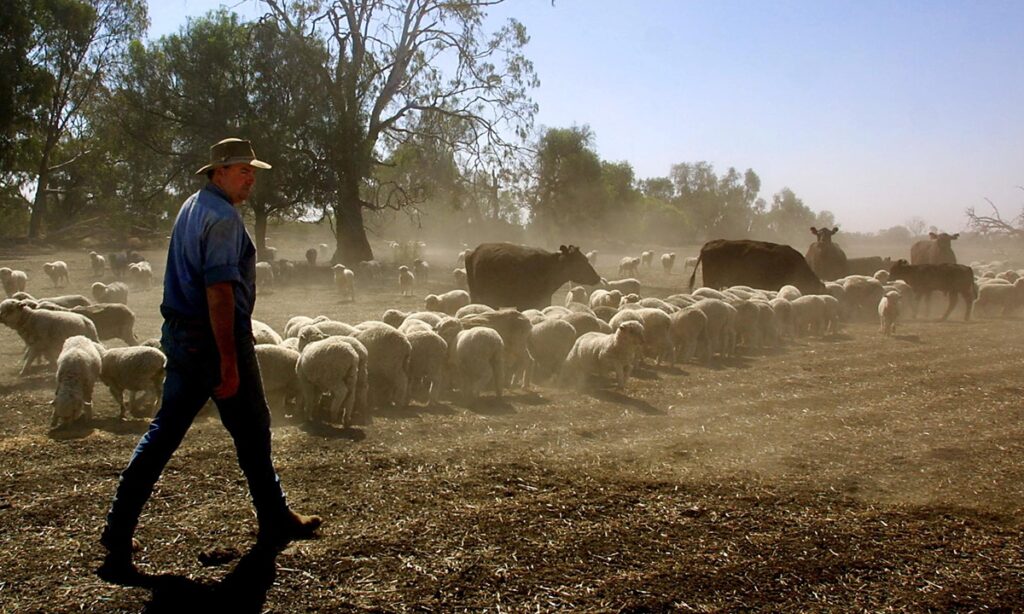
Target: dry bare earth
(854, 473)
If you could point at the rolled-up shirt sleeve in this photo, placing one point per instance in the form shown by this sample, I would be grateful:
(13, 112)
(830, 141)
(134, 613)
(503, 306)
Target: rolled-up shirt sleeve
(221, 251)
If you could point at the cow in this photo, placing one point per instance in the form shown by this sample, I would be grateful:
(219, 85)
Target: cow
(510, 275)
(937, 249)
(953, 279)
(869, 265)
(757, 264)
(826, 259)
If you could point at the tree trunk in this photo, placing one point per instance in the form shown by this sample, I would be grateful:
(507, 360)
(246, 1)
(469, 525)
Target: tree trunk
(259, 213)
(352, 246)
(35, 222)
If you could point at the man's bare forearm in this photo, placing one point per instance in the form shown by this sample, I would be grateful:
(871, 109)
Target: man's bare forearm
(221, 299)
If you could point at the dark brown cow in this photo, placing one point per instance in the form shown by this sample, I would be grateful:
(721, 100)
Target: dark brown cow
(757, 264)
(509, 275)
(953, 279)
(826, 259)
(868, 265)
(937, 249)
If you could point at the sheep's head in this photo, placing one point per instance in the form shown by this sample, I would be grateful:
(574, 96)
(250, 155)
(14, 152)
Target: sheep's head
(11, 311)
(432, 303)
(631, 332)
(310, 333)
(394, 317)
(68, 407)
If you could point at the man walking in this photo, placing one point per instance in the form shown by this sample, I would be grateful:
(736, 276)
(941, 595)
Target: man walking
(209, 294)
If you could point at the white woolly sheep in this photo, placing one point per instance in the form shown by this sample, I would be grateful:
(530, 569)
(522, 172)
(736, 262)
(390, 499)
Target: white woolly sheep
(264, 275)
(134, 369)
(690, 262)
(882, 276)
(748, 325)
(43, 331)
(57, 271)
(628, 285)
(408, 325)
(388, 363)
(889, 312)
(629, 266)
(277, 371)
(657, 303)
(790, 293)
(140, 274)
(428, 362)
(598, 353)
(1005, 296)
(450, 302)
(550, 342)
(13, 280)
(783, 314)
(98, 263)
(704, 292)
(681, 300)
(605, 298)
(292, 343)
(461, 282)
(833, 313)
(478, 358)
(295, 323)
(406, 280)
(78, 368)
(657, 335)
(668, 261)
(472, 309)
(323, 328)
(585, 323)
(809, 315)
(116, 292)
(67, 301)
(328, 366)
(721, 325)
(345, 281)
(264, 333)
(112, 321)
(555, 310)
(314, 333)
(421, 269)
(688, 327)
(576, 294)
(647, 258)
(514, 329)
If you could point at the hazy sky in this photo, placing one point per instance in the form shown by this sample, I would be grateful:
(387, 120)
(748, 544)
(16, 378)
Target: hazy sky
(876, 111)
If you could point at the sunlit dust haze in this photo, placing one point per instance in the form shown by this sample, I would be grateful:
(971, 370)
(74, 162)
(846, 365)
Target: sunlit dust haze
(876, 111)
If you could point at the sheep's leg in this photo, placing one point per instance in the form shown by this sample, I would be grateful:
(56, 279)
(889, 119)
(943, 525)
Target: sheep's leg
(30, 357)
(118, 395)
(310, 399)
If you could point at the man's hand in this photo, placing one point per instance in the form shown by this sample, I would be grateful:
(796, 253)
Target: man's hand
(221, 299)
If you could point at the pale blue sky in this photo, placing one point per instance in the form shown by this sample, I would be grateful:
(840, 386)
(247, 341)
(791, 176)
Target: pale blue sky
(876, 111)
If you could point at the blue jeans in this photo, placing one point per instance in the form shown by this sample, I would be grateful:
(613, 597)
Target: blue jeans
(193, 371)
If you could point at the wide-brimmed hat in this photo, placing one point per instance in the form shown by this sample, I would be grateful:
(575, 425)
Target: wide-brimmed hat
(232, 151)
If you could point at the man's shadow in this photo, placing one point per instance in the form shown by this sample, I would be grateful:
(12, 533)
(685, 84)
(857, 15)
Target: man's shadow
(243, 590)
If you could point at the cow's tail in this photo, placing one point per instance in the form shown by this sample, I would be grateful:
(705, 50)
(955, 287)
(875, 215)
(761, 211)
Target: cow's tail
(693, 276)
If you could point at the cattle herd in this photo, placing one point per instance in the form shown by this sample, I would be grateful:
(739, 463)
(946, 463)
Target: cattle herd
(497, 328)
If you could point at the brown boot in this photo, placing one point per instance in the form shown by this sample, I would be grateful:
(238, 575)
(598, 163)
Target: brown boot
(117, 567)
(278, 532)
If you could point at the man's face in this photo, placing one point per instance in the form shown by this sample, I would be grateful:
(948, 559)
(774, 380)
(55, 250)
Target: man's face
(236, 180)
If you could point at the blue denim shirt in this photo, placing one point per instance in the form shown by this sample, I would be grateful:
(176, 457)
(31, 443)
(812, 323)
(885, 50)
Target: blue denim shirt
(209, 245)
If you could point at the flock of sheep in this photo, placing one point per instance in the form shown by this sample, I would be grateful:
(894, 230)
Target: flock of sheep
(340, 372)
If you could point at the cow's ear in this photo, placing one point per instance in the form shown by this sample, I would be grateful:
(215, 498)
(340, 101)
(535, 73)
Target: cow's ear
(814, 231)
(835, 230)
(956, 236)
(562, 249)
(932, 235)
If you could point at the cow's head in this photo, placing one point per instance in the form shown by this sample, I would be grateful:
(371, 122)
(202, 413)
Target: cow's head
(943, 239)
(899, 270)
(824, 234)
(576, 266)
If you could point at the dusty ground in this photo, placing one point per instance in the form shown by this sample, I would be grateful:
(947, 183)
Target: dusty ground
(842, 474)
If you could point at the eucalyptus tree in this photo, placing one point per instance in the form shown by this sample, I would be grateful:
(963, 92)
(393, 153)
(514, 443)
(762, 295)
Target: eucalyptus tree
(391, 64)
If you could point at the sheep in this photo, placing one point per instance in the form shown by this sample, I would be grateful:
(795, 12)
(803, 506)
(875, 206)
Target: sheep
(421, 270)
(832, 313)
(605, 313)
(862, 294)
(140, 274)
(721, 325)
(271, 253)
(783, 314)
(362, 390)
(748, 325)
(580, 308)
(790, 293)
(295, 323)
(461, 282)
(592, 257)
(99, 264)
(625, 286)
(407, 326)
(153, 342)
(882, 276)
(704, 292)
(328, 366)
(585, 323)
(78, 368)
(809, 315)
(657, 334)
(263, 333)
(311, 255)
(687, 328)
(449, 302)
(668, 261)
(388, 363)
(647, 258)
(1008, 297)
(116, 292)
(550, 342)
(406, 280)
(766, 322)
(1010, 276)
(428, 362)
(605, 298)
(57, 271)
(690, 262)
(889, 312)
(629, 266)
(43, 332)
(264, 275)
(681, 300)
(112, 321)
(345, 281)
(67, 301)
(657, 303)
(576, 294)
(907, 295)
(138, 368)
(478, 358)
(291, 343)
(277, 371)
(13, 280)
(514, 329)
(472, 309)
(555, 311)
(600, 352)
(323, 328)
